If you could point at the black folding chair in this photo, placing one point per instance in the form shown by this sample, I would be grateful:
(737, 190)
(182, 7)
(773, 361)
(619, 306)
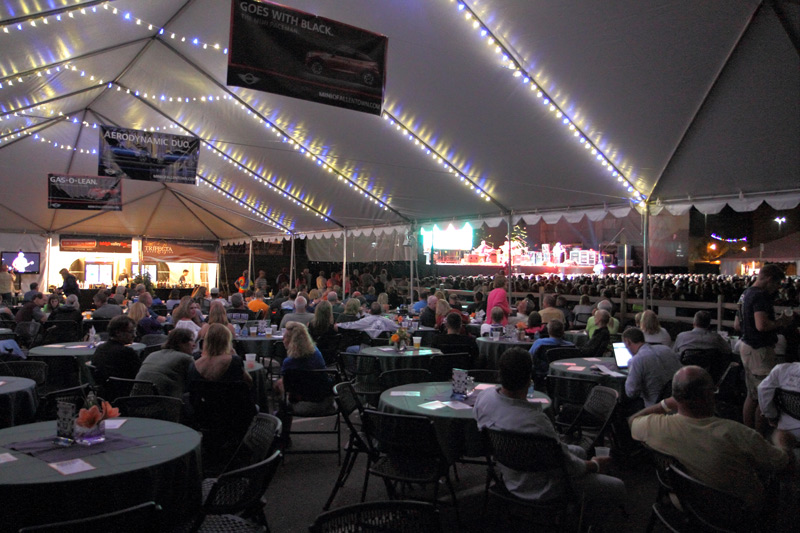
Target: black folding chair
(156, 407)
(386, 516)
(442, 365)
(403, 376)
(142, 517)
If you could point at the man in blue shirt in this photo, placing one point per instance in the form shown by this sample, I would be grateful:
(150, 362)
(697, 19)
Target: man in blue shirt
(555, 328)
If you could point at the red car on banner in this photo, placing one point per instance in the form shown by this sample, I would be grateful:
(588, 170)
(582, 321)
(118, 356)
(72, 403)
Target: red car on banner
(345, 61)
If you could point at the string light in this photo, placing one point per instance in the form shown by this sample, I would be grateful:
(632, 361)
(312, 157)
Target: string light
(723, 239)
(266, 217)
(507, 61)
(448, 165)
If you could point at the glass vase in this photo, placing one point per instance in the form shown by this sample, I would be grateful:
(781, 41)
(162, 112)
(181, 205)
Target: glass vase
(90, 436)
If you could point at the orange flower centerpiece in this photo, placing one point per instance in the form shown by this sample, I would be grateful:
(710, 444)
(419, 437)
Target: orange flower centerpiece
(90, 427)
(400, 339)
(521, 330)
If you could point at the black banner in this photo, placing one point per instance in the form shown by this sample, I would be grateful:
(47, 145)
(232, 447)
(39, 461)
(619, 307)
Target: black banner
(82, 243)
(148, 156)
(180, 251)
(95, 193)
(284, 51)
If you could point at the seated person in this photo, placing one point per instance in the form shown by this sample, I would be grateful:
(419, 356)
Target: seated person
(496, 319)
(534, 326)
(102, 309)
(703, 339)
(555, 330)
(257, 304)
(175, 299)
(238, 311)
(187, 315)
(300, 313)
(427, 316)
(524, 308)
(218, 361)
(650, 368)
(167, 368)
(65, 323)
(115, 358)
(145, 324)
(352, 311)
(724, 454)
(216, 315)
(373, 324)
(598, 343)
(653, 332)
(454, 337)
(612, 323)
(506, 408)
(479, 304)
(785, 376)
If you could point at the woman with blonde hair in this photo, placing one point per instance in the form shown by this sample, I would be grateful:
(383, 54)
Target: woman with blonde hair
(352, 311)
(145, 324)
(185, 315)
(653, 332)
(442, 308)
(322, 323)
(217, 361)
(216, 315)
(383, 299)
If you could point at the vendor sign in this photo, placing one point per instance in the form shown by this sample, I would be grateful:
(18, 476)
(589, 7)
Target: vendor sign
(65, 191)
(148, 156)
(171, 251)
(284, 51)
(82, 243)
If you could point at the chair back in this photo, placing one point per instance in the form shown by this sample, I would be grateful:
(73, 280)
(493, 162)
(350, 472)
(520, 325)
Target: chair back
(708, 509)
(221, 407)
(307, 385)
(788, 402)
(563, 390)
(525, 452)
(28, 333)
(358, 367)
(115, 387)
(62, 331)
(558, 353)
(156, 407)
(402, 435)
(442, 365)
(240, 489)
(328, 346)
(394, 516)
(581, 319)
(142, 517)
(48, 407)
(35, 370)
(403, 376)
(483, 375)
(347, 400)
(258, 443)
(454, 348)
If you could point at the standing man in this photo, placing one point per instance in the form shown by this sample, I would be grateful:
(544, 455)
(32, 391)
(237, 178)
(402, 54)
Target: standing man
(183, 279)
(322, 281)
(261, 282)
(243, 283)
(70, 285)
(6, 283)
(759, 335)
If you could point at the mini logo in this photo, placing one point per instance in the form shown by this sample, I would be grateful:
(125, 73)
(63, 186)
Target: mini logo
(249, 78)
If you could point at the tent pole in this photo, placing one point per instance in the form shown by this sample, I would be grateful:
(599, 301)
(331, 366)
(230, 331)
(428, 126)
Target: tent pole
(291, 266)
(344, 266)
(645, 253)
(508, 261)
(412, 248)
(47, 259)
(250, 265)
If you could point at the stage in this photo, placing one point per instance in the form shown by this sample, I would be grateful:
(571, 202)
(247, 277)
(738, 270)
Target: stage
(490, 269)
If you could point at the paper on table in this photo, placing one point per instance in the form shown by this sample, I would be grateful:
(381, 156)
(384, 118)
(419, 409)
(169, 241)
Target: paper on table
(538, 400)
(404, 393)
(6, 458)
(607, 371)
(435, 404)
(457, 405)
(3, 383)
(55, 345)
(592, 359)
(484, 386)
(72, 466)
(115, 423)
(387, 349)
(562, 363)
(78, 346)
(577, 368)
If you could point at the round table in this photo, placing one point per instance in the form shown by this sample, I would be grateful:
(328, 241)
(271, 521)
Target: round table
(490, 350)
(581, 368)
(410, 358)
(6, 333)
(164, 467)
(18, 401)
(61, 371)
(578, 338)
(262, 346)
(456, 428)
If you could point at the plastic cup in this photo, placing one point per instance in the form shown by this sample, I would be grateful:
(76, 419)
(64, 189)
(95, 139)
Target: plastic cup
(268, 331)
(417, 341)
(253, 331)
(602, 451)
(250, 360)
(496, 335)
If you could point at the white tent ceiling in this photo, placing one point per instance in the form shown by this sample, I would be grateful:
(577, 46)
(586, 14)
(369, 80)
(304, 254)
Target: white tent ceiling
(689, 100)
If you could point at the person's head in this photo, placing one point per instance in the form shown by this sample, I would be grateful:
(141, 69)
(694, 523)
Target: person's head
(375, 308)
(333, 298)
(322, 273)
(649, 323)
(313, 295)
(216, 313)
(53, 301)
(432, 302)
(175, 294)
(146, 298)
(33, 286)
(261, 274)
(122, 329)
(244, 273)
(497, 315)
(237, 300)
(478, 297)
(217, 341)
(693, 389)
(38, 299)
(64, 273)
(183, 309)
(352, 307)
(584, 300)
(606, 305)
(499, 281)
(453, 322)
(515, 369)
(300, 304)
(555, 328)
(100, 298)
(442, 308)
(633, 339)
(297, 340)
(549, 300)
(702, 319)
(185, 272)
(601, 318)
(137, 311)
(140, 288)
(383, 299)
(72, 302)
(180, 340)
(323, 314)
(770, 277)
(534, 319)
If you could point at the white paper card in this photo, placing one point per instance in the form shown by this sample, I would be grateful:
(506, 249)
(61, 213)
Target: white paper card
(6, 458)
(73, 466)
(387, 349)
(577, 368)
(605, 370)
(538, 400)
(55, 345)
(3, 383)
(115, 423)
(564, 364)
(457, 405)
(404, 393)
(596, 359)
(484, 386)
(436, 404)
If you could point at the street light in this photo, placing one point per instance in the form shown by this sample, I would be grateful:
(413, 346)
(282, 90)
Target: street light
(780, 220)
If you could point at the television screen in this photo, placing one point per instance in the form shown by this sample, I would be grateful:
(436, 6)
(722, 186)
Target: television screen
(21, 262)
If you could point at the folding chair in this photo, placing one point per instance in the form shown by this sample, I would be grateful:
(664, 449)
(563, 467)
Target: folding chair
(386, 516)
(403, 376)
(142, 517)
(156, 407)
(588, 428)
(309, 394)
(442, 365)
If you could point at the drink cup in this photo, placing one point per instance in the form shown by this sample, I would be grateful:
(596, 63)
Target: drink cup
(250, 360)
(253, 331)
(496, 335)
(417, 342)
(602, 451)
